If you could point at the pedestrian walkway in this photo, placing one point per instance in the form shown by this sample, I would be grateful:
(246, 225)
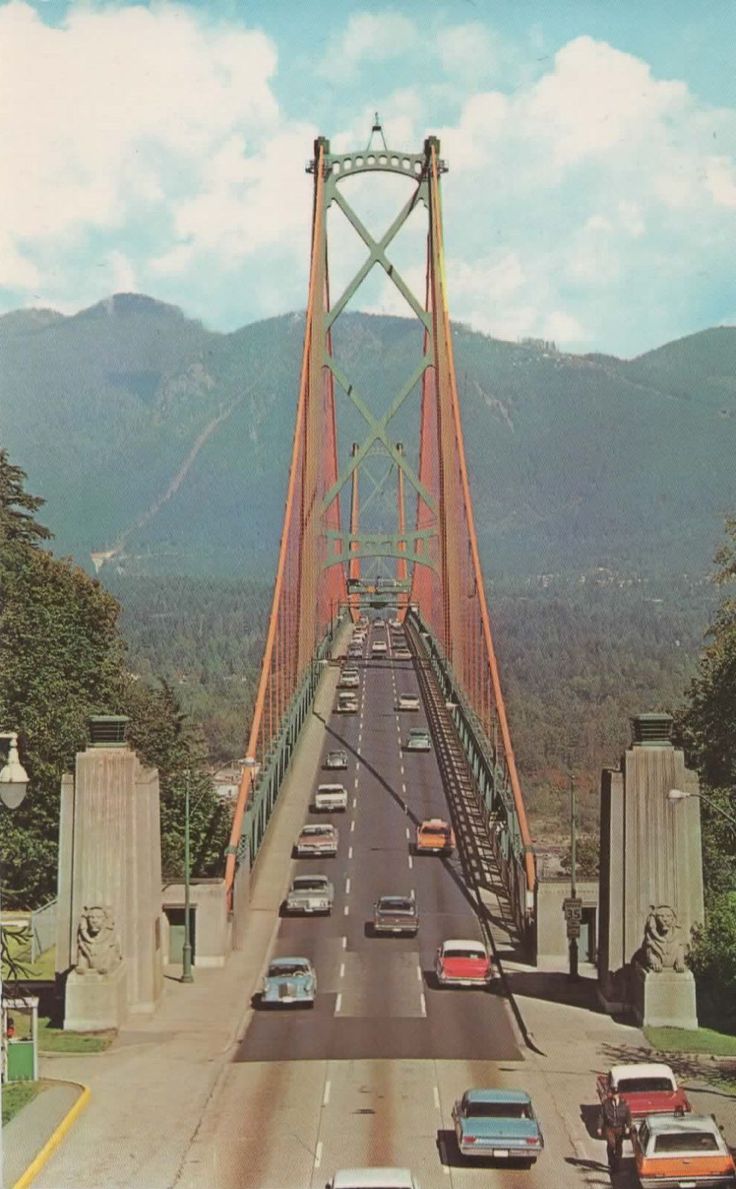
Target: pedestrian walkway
(29, 1130)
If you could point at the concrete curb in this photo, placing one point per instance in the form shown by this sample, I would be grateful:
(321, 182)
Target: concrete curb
(34, 1168)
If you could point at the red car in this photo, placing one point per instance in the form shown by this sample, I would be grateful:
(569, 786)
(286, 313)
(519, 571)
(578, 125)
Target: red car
(463, 963)
(648, 1088)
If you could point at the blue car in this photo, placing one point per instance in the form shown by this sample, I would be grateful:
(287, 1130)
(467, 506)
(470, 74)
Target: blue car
(497, 1123)
(289, 980)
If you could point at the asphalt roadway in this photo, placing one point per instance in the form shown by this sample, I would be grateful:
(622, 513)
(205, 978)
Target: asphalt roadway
(369, 1075)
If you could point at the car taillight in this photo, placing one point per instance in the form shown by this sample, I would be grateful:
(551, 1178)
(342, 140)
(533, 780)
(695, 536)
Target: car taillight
(532, 1140)
(469, 1139)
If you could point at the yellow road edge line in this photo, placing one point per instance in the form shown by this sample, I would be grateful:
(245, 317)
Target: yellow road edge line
(55, 1138)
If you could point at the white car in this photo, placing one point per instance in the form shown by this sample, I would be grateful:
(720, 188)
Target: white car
(348, 680)
(330, 798)
(379, 647)
(402, 653)
(407, 702)
(347, 704)
(373, 1178)
(418, 740)
(310, 894)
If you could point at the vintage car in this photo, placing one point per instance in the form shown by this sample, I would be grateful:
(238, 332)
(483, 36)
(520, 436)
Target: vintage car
(356, 651)
(500, 1124)
(347, 704)
(681, 1152)
(317, 840)
(331, 798)
(463, 963)
(379, 647)
(289, 980)
(418, 740)
(402, 653)
(648, 1088)
(395, 914)
(373, 1178)
(407, 702)
(309, 894)
(434, 837)
(349, 679)
(379, 622)
(336, 760)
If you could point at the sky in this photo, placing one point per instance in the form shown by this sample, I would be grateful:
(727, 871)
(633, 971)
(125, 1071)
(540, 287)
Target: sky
(161, 148)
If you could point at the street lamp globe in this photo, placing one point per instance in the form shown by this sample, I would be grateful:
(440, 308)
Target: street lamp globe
(13, 777)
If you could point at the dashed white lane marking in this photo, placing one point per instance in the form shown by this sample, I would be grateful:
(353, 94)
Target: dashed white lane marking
(357, 765)
(347, 886)
(338, 1003)
(318, 1154)
(355, 802)
(403, 787)
(350, 852)
(344, 943)
(419, 974)
(403, 772)
(352, 827)
(423, 1004)
(326, 1095)
(413, 894)
(346, 911)
(355, 783)
(342, 970)
(408, 833)
(436, 1093)
(411, 862)
(360, 738)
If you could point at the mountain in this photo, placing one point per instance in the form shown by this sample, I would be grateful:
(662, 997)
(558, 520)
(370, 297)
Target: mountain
(165, 446)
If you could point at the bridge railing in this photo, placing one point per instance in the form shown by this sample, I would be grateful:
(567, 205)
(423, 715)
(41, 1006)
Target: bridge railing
(492, 777)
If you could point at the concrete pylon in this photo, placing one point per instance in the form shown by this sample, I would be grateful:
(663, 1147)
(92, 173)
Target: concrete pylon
(651, 860)
(110, 859)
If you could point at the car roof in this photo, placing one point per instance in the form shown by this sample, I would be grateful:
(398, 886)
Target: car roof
(483, 1095)
(641, 1069)
(464, 942)
(373, 1178)
(309, 875)
(281, 961)
(434, 823)
(689, 1122)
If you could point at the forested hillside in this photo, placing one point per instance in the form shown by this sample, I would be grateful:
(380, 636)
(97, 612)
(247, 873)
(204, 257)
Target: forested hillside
(181, 438)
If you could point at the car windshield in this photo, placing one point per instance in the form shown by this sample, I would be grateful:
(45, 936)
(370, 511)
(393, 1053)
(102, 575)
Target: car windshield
(395, 904)
(307, 883)
(336, 757)
(650, 1085)
(686, 1141)
(498, 1110)
(317, 830)
(286, 970)
(418, 733)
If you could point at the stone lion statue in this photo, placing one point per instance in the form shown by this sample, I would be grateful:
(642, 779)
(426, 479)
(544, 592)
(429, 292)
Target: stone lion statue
(663, 947)
(98, 948)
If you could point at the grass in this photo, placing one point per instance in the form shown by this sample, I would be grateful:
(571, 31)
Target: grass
(55, 1040)
(19, 948)
(16, 1095)
(685, 1040)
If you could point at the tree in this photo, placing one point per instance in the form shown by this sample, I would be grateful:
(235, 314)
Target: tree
(587, 857)
(17, 507)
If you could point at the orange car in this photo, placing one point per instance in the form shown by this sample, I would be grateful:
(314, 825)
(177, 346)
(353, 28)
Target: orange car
(435, 837)
(672, 1150)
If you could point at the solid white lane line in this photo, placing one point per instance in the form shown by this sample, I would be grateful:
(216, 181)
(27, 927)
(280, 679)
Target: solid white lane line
(347, 886)
(352, 827)
(318, 1154)
(350, 852)
(436, 1092)
(342, 970)
(338, 1003)
(423, 1004)
(326, 1095)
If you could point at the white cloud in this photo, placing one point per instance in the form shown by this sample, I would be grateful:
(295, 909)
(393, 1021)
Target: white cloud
(122, 273)
(563, 328)
(720, 179)
(468, 51)
(368, 38)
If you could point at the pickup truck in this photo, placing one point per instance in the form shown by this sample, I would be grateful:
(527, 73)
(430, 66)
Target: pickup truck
(648, 1088)
(309, 894)
(331, 798)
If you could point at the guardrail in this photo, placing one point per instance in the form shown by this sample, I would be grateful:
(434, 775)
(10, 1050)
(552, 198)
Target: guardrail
(490, 778)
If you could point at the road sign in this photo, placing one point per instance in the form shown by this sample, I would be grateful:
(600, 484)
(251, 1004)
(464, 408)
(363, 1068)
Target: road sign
(573, 929)
(573, 909)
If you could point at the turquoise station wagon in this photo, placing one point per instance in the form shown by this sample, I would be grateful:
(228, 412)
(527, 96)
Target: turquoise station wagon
(500, 1124)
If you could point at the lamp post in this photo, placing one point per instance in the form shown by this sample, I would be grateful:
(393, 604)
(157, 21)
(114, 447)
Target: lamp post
(675, 795)
(186, 952)
(571, 932)
(13, 788)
